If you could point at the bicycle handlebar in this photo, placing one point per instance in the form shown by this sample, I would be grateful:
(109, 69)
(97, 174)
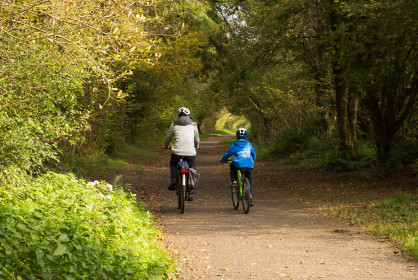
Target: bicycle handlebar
(170, 148)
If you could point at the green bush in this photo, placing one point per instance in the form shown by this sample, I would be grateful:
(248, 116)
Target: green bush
(405, 152)
(308, 146)
(59, 227)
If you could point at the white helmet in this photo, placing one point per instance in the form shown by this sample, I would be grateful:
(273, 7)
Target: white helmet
(241, 133)
(183, 110)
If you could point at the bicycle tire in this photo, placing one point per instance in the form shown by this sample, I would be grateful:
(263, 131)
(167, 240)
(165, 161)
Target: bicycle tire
(235, 197)
(182, 194)
(246, 196)
(178, 187)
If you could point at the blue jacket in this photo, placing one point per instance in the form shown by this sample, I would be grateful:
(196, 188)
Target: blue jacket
(243, 152)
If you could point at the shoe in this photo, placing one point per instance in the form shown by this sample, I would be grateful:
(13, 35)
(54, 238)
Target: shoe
(172, 186)
(251, 203)
(189, 198)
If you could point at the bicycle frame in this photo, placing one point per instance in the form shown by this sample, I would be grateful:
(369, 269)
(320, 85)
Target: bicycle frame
(241, 192)
(239, 182)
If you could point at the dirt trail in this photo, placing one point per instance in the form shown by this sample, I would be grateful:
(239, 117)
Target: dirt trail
(281, 237)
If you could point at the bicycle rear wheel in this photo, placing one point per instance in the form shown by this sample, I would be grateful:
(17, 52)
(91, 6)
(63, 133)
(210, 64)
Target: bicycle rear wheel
(235, 197)
(182, 193)
(246, 196)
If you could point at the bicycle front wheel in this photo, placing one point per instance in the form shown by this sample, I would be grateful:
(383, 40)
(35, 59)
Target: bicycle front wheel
(246, 196)
(182, 193)
(235, 197)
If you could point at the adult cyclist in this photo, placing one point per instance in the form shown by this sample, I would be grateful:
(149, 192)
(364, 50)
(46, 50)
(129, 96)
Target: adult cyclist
(186, 142)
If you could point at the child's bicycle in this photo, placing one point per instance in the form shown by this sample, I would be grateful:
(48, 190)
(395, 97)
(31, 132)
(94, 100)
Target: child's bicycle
(241, 191)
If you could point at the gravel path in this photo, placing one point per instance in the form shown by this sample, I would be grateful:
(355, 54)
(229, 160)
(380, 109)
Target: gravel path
(280, 238)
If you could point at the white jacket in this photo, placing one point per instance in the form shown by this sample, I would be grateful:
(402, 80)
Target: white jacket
(186, 137)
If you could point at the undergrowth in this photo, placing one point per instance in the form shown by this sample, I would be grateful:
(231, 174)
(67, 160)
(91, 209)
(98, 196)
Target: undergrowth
(310, 147)
(59, 227)
(115, 158)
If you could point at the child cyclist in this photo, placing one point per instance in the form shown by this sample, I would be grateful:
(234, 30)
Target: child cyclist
(243, 158)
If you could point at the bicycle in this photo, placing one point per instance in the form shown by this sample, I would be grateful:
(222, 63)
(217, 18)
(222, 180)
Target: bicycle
(182, 187)
(241, 191)
(183, 190)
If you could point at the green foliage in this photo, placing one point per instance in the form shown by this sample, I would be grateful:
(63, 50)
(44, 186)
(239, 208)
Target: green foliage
(291, 140)
(75, 77)
(51, 54)
(56, 226)
(292, 60)
(381, 63)
(38, 108)
(230, 123)
(415, 167)
(405, 152)
(307, 146)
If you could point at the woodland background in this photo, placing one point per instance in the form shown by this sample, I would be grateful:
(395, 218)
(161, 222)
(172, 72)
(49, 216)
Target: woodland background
(323, 83)
(79, 77)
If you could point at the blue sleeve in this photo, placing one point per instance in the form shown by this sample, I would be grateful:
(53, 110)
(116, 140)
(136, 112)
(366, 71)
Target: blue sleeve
(228, 153)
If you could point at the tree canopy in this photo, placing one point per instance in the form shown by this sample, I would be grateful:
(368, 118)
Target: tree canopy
(76, 75)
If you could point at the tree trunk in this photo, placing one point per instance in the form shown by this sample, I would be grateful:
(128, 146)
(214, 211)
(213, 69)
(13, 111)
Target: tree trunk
(347, 111)
(352, 111)
(346, 107)
(268, 126)
(382, 121)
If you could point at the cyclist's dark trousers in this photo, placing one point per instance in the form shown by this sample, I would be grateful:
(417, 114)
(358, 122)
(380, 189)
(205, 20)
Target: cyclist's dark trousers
(175, 159)
(247, 172)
